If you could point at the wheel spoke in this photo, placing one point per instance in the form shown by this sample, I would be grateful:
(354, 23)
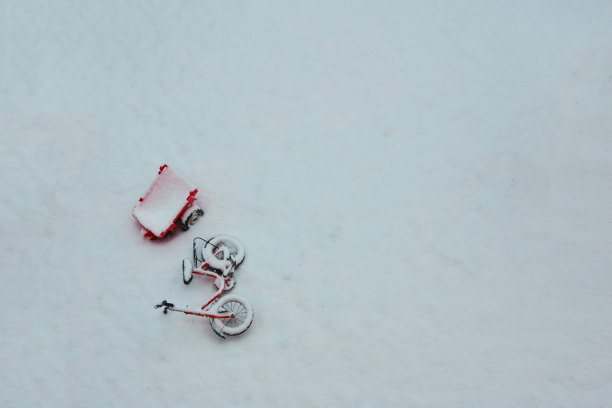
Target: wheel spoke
(239, 311)
(235, 308)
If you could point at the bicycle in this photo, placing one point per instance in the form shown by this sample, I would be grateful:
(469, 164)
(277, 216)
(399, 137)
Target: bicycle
(218, 258)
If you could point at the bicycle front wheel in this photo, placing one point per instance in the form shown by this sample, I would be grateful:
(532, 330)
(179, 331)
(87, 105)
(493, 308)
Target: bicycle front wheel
(242, 311)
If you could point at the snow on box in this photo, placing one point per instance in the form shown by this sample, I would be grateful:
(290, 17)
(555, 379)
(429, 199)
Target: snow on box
(164, 201)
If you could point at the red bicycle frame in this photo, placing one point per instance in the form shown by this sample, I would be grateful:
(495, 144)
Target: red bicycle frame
(220, 281)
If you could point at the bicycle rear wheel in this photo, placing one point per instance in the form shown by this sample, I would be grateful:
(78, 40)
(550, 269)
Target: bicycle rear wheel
(234, 246)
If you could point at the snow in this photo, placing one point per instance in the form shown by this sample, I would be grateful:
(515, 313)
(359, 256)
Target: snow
(229, 248)
(187, 271)
(164, 200)
(423, 191)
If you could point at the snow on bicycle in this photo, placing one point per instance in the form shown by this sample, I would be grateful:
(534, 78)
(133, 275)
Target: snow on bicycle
(217, 258)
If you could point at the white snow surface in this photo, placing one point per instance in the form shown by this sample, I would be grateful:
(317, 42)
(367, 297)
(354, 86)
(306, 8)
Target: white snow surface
(423, 189)
(163, 201)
